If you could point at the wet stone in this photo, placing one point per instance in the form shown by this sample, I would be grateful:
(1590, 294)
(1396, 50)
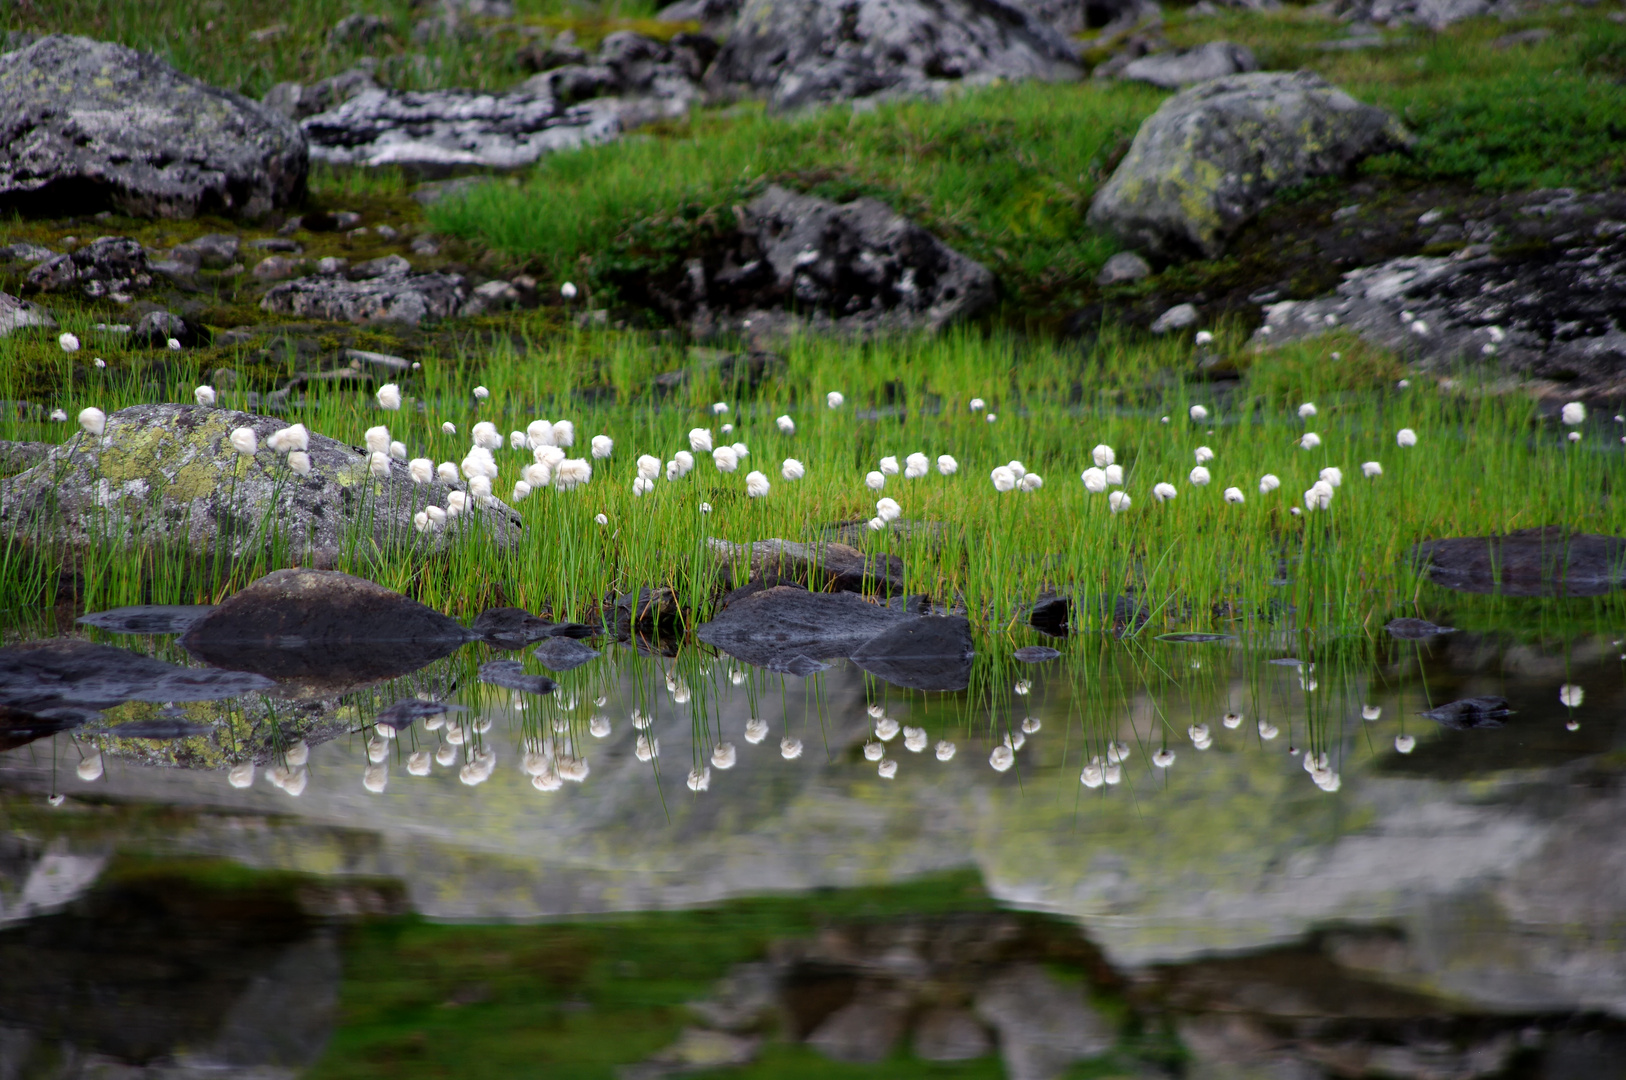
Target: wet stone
(821, 567)
(1530, 562)
(511, 675)
(148, 618)
(1470, 713)
(782, 622)
(1416, 629)
(563, 653)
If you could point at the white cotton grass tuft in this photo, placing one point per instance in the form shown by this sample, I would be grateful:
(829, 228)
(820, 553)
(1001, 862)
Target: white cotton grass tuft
(991, 417)
(243, 439)
(641, 486)
(1570, 695)
(756, 485)
(481, 393)
(947, 465)
(94, 421)
(875, 481)
(1003, 479)
(1164, 492)
(568, 290)
(1573, 413)
(649, 466)
(786, 425)
(69, 343)
(1095, 480)
(1309, 441)
(422, 470)
(389, 397)
(57, 416)
(741, 451)
(1405, 744)
(1371, 469)
(1203, 338)
(725, 458)
(398, 450)
(977, 404)
(204, 395)
(915, 466)
(1234, 495)
(1405, 437)
(834, 400)
(539, 433)
(602, 446)
(564, 433)
(1333, 475)
(1198, 413)
(792, 469)
(377, 440)
(1030, 482)
(1119, 501)
(299, 462)
(888, 509)
(1268, 483)
(572, 473)
(889, 466)
(288, 439)
(1319, 496)
(684, 461)
(1002, 758)
(486, 436)
(718, 408)
(518, 440)
(1103, 455)
(790, 748)
(1115, 475)
(1203, 455)
(1199, 476)
(457, 502)
(1307, 410)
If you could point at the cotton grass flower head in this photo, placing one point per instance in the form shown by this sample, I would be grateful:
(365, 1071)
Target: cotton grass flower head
(1234, 496)
(947, 465)
(58, 416)
(1371, 469)
(1199, 476)
(684, 461)
(457, 502)
(1268, 483)
(389, 397)
(1405, 437)
(398, 450)
(481, 393)
(1309, 441)
(1198, 413)
(641, 486)
(486, 436)
(786, 425)
(1002, 758)
(1307, 410)
(790, 748)
(741, 451)
(1571, 695)
(725, 458)
(1333, 475)
(479, 486)
(572, 473)
(1573, 413)
(991, 417)
(792, 469)
(889, 466)
(875, 481)
(288, 439)
(518, 440)
(448, 428)
(564, 433)
(915, 466)
(94, 422)
(718, 408)
(1030, 482)
(243, 439)
(888, 509)
(876, 524)
(377, 440)
(1164, 492)
(603, 446)
(1103, 455)
(204, 395)
(1119, 501)
(1003, 479)
(977, 404)
(1115, 475)
(539, 433)
(568, 290)
(1203, 455)
(1095, 480)
(756, 485)
(649, 466)
(68, 342)
(1319, 496)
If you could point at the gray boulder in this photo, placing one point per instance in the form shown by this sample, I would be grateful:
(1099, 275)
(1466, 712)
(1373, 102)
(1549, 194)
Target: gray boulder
(805, 52)
(89, 125)
(110, 267)
(1044, 1025)
(399, 298)
(1214, 155)
(859, 265)
(166, 476)
(295, 101)
(1209, 61)
(18, 314)
(1123, 267)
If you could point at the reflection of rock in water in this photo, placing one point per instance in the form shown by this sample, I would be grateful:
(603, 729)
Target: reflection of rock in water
(321, 632)
(1415, 629)
(164, 971)
(148, 618)
(1550, 561)
(1470, 713)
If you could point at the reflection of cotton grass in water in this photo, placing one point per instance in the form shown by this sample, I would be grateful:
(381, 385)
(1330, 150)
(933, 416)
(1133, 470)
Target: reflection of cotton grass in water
(599, 727)
(723, 756)
(756, 731)
(446, 754)
(647, 747)
(479, 768)
(1371, 712)
(1267, 730)
(699, 779)
(888, 769)
(1200, 736)
(1031, 725)
(1405, 744)
(1232, 720)
(377, 750)
(1163, 758)
(90, 767)
(945, 750)
(790, 748)
(1571, 696)
(886, 729)
(914, 739)
(375, 777)
(874, 751)
(1022, 688)
(1092, 775)
(1002, 758)
(418, 763)
(241, 776)
(291, 779)
(1112, 773)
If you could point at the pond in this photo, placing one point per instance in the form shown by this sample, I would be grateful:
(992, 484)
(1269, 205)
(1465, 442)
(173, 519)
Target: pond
(1252, 850)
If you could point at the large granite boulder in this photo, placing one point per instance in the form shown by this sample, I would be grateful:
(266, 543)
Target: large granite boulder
(804, 52)
(90, 125)
(1214, 155)
(166, 477)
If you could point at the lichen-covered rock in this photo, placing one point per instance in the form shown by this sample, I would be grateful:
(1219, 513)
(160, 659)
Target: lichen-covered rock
(804, 52)
(18, 314)
(1210, 60)
(90, 125)
(1214, 155)
(166, 477)
(113, 267)
(404, 299)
